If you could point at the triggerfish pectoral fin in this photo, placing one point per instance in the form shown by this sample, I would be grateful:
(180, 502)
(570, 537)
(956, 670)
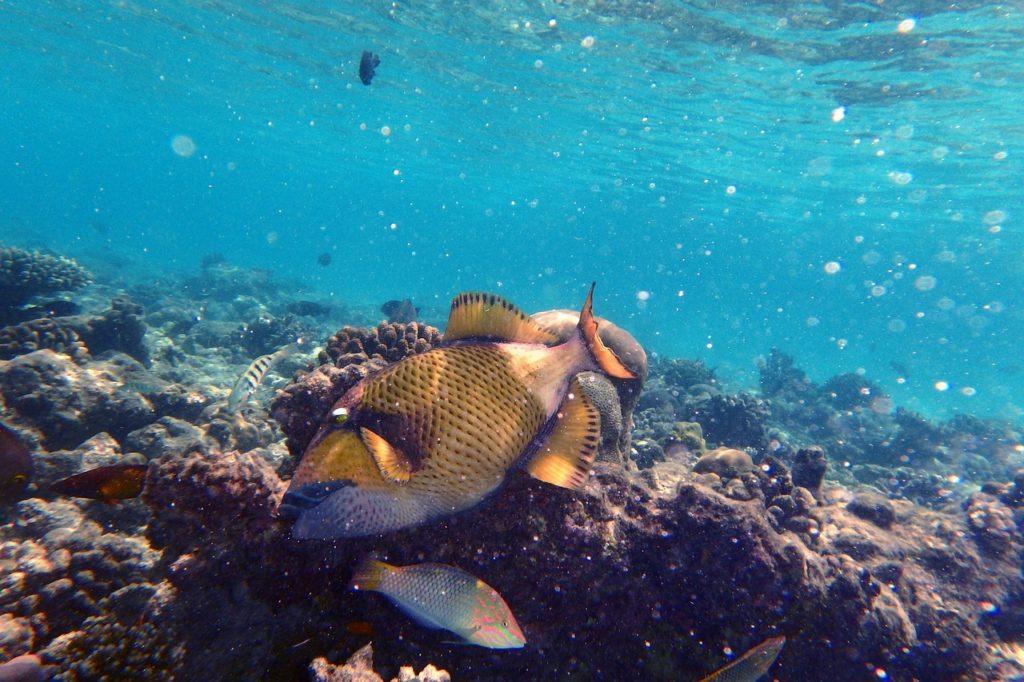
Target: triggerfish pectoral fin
(565, 458)
(605, 357)
(392, 462)
(338, 491)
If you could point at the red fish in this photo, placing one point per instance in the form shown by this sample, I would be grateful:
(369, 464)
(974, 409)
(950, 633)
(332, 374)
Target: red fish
(107, 484)
(15, 465)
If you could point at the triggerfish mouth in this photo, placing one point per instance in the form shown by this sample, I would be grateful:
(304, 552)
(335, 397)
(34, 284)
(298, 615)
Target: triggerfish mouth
(436, 433)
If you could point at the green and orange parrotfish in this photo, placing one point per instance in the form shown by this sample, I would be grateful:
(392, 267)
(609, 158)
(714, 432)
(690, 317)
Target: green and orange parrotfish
(436, 433)
(752, 665)
(446, 598)
(107, 483)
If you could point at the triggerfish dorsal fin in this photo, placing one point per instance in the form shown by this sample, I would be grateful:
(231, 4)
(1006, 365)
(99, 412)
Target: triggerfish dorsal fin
(565, 458)
(487, 316)
(605, 357)
(391, 461)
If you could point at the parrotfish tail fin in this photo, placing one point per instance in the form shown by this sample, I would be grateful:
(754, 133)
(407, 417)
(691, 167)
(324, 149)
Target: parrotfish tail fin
(606, 359)
(752, 665)
(487, 316)
(565, 458)
(368, 574)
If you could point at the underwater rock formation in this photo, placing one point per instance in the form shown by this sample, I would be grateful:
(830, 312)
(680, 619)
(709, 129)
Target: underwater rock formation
(67, 403)
(359, 668)
(120, 328)
(27, 274)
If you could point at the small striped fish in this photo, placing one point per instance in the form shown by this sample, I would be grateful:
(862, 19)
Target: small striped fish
(252, 377)
(447, 598)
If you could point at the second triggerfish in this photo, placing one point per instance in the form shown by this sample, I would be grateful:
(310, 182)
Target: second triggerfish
(447, 598)
(436, 433)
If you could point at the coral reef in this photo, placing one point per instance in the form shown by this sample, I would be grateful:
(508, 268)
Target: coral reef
(27, 274)
(38, 334)
(121, 328)
(359, 668)
(67, 403)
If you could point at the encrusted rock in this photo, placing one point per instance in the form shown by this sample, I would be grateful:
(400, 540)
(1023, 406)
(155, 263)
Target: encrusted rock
(809, 467)
(359, 668)
(873, 507)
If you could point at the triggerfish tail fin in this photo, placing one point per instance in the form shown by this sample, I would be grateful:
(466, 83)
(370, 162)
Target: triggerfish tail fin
(486, 316)
(606, 359)
(565, 458)
(752, 665)
(368, 575)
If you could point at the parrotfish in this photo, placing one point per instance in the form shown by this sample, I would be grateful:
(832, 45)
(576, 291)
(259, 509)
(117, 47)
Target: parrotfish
(15, 465)
(446, 598)
(436, 433)
(107, 484)
(252, 377)
(752, 665)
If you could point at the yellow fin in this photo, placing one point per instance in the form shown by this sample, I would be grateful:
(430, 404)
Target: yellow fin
(605, 357)
(477, 315)
(338, 455)
(565, 458)
(393, 464)
(368, 575)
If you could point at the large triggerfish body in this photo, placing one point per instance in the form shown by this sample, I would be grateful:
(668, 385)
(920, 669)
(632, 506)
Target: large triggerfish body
(436, 433)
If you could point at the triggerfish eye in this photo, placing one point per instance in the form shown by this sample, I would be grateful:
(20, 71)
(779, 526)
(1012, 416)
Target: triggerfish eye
(339, 416)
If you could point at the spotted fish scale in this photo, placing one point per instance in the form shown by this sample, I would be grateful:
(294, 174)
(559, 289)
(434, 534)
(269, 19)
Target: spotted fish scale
(468, 418)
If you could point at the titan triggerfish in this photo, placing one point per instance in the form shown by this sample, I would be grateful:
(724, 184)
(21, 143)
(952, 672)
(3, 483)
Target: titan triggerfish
(435, 433)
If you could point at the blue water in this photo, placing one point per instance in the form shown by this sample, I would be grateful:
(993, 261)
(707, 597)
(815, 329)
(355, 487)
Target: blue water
(708, 164)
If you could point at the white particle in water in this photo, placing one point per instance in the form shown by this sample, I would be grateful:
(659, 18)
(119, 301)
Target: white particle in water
(183, 146)
(925, 283)
(832, 267)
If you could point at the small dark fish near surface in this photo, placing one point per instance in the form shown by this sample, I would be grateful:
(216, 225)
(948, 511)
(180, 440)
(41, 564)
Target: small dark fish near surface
(400, 311)
(324, 259)
(107, 484)
(368, 67)
(752, 665)
(446, 598)
(15, 466)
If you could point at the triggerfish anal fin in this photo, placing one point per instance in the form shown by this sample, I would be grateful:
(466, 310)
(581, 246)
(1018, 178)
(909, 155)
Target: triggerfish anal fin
(392, 462)
(606, 359)
(487, 316)
(752, 665)
(565, 458)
